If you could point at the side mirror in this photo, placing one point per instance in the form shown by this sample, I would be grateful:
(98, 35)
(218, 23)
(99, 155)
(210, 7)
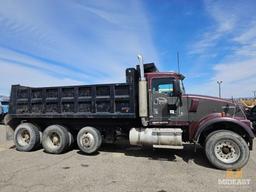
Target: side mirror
(176, 87)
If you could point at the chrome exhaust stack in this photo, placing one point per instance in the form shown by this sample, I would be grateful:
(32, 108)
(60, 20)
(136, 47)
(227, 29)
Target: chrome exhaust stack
(143, 94)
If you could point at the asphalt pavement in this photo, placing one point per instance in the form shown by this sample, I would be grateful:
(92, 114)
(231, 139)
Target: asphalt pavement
(119, 168)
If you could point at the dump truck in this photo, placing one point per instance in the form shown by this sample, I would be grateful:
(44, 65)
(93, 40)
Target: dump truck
(150, 109)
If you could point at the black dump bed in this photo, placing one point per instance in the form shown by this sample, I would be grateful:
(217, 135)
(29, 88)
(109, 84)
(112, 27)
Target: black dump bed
(83, 101)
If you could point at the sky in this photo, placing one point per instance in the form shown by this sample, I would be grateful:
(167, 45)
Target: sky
(70, 42)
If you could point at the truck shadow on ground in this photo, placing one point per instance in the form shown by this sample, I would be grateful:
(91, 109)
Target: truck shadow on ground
(187, 154)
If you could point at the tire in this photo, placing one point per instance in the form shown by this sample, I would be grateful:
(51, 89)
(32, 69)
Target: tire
(226, 150)
(89, 140)
(208, 136)
(27, 137)
(56, 139)
(100, 138)
(70, 139)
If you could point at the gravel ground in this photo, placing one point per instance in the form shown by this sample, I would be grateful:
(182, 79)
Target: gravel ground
(117, 167)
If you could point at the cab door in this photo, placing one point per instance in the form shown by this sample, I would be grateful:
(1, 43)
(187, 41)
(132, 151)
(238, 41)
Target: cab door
(164, 104)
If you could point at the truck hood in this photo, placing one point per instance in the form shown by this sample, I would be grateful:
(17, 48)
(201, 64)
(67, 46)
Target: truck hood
(216, 99)
(209, 104)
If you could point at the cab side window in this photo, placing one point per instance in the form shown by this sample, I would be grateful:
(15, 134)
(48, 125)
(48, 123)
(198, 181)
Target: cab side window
(163, 86)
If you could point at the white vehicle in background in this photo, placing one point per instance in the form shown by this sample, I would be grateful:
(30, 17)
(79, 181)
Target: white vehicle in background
(4, 107)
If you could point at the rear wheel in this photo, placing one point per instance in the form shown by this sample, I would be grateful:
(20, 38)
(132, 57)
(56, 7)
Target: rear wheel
(27, 137)
(89, 140)
(56, 139)
(70, 139)
(226, 150)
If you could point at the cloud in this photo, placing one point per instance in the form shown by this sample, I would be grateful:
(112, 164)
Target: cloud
(238, 78)
(228, 19)
(221, 13)
(18, 74)
(233, 32)
(246, 41)
(84, 41)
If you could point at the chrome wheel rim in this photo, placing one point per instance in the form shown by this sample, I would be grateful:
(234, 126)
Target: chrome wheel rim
(23, 137)
(227, 151)
(53, 140)
(87, 140)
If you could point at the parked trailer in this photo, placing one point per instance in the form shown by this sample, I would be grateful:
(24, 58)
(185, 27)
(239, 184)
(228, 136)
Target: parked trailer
(151, 109)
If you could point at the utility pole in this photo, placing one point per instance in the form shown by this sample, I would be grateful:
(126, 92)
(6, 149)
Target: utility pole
(219, 83)
(254, 93)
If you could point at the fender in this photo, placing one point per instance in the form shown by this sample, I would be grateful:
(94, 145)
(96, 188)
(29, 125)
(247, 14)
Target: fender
(205, 126)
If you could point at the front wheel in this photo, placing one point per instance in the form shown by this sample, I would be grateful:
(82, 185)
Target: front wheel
(226, 150)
